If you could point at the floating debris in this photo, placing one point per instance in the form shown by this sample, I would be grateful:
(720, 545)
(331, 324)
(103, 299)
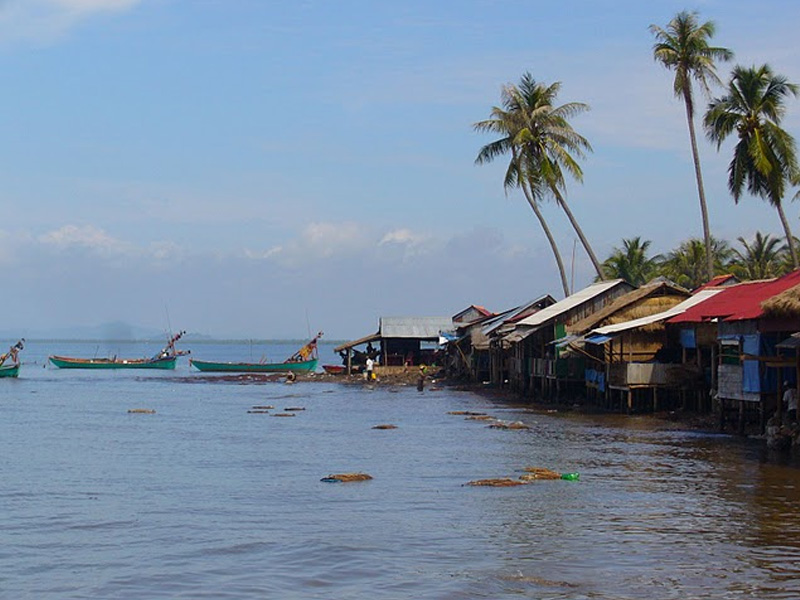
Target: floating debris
(498, 482)
(293, 408)
(346, 477)
(514, 425)
(141, 411)
(385, 426)
(284, 415)
(469, 413)
(532, 473)
(265, 407)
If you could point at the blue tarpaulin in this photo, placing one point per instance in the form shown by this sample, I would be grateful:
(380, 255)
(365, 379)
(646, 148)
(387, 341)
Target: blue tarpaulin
(751, 381)
(688, 339)
(598, 339)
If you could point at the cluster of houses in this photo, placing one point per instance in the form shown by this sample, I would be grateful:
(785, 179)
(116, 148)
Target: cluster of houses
(728, 346)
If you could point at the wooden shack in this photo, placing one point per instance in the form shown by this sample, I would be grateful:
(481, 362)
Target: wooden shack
(399, 343)
(636, 363)
(539, 366)
(734, 340)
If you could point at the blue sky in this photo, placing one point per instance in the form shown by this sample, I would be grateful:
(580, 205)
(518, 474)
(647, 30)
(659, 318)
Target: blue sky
(252, 167)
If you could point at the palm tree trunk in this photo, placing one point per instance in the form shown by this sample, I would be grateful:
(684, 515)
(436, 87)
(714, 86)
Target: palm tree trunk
(700, 189)
(550, 238)
(789, 236)
(581, 236)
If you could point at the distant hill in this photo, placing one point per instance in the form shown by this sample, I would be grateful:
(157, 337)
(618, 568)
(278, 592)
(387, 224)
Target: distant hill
(116, 330)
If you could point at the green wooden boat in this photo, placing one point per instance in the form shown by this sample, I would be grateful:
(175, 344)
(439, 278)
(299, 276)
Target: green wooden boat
(67, 362)
(165, 359)
(303, 361)
(305, 366)
(9, 370)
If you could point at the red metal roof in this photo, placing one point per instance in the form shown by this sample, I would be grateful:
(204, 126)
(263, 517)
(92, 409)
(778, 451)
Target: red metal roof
(717, 281)
(738, 302)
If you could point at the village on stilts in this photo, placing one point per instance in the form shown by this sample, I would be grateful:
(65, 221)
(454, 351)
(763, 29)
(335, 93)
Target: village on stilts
(728, 350)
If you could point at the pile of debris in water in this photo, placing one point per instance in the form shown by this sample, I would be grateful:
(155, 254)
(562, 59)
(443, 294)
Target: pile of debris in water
(346, 477)
(530, 474)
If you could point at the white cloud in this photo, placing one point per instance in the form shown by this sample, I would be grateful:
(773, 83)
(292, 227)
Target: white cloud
(45, 21)
(86, 236)
(402, 236)
(100, 243)
(317, 241)
(87, 6)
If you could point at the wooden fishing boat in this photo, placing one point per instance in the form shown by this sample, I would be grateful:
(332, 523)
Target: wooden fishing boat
(67, 362)
(11, 369)
(165, 359)
(333, 369)
(303, 361)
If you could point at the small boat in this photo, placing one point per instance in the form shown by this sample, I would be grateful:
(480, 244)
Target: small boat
(333, 369)
(11, 369)
(303, 361)
(165, 359)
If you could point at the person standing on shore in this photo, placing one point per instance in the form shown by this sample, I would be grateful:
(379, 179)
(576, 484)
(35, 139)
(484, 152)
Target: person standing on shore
(370, 367)
(790, 402)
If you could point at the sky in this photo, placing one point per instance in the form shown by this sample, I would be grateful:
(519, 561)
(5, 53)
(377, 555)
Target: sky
(262, 170)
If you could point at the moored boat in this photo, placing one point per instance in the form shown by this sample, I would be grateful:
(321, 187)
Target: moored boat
(303, 361)
(11, 369)
(333, 369)
(165, 359)
(68, 362)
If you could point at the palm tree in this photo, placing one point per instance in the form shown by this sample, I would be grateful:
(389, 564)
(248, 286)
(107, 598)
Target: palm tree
(550, 145)
(507, 122)
(765, 155)
(683, 46)
(760, 260)
(631, 262)
(686, 265)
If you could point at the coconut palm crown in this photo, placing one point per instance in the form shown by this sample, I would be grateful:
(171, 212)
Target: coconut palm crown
(508, 122)
(683, 46)
(546, 144)
(765, 157)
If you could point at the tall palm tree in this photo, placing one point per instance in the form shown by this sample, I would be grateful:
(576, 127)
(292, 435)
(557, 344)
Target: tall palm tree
(631, 262)
(686, 265)
(761, 259)
(507, 123)
(765, 156)
(683, 47)
(550, 146)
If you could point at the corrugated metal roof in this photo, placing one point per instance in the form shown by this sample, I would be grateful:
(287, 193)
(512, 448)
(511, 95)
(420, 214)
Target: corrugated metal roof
(662, 316)
(738, 302)
(790, 343)
(414, 327)
(576, 299)
(650, 288)
(491, 325)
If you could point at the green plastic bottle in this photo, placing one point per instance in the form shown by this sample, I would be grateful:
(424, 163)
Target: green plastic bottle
(571, 476)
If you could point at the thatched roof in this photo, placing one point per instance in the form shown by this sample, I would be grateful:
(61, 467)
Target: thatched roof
(647, 300)
(784, 305)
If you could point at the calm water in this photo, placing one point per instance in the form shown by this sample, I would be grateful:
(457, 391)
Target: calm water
(206, 500)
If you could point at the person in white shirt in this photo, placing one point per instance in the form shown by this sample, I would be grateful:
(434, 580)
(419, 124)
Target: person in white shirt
(370, 367)
(790, 401)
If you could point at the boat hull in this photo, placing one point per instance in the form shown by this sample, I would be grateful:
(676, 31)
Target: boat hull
(9, 371)
(66, 362)
(305, 366)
